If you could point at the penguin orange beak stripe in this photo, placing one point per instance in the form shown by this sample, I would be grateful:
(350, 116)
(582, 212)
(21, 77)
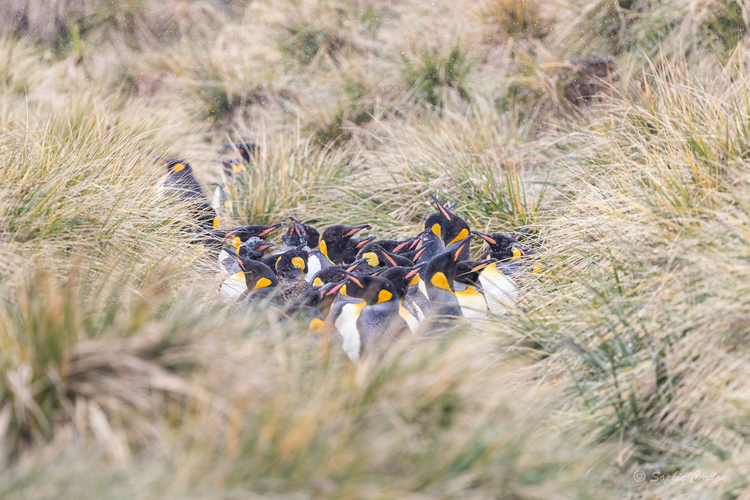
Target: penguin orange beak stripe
(230, 233)
(390, 259)
(336, 288)
(458, 252)
(480, 266)
(413, 271)
(355, 280)
(441, 208)
(365, 241)
(271, 229)
(238, 260)
(485, 237)
(419, 253)
(356, 230)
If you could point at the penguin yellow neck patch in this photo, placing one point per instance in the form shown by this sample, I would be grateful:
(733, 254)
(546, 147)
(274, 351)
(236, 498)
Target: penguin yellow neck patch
(384, 296)
(262, 283)
(323, 248)
(342, 291)
(236, 242)
(299, 263)
(372, 259)
(439, 280)
(414, 280)
(463, 234)
(317, 282)
(516, 253)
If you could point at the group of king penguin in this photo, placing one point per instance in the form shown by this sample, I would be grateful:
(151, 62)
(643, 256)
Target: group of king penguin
(371, 292)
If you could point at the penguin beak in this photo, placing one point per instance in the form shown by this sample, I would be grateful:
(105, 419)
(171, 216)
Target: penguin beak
(353, 279)
(356, 229)
(485, 237)
(354, 265)
(482, 266)
(336, 288)
(420, 251)
(271, 229)
(460, 248)
(442, 209)
(365, 241)
(238, 260)
(266, 246)
(230, 233)
(405, 243)
(389, 258)
(519, 233)
(415, 271)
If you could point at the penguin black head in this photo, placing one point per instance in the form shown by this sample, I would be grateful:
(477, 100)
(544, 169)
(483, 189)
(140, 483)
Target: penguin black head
(245, 149)
(335, 274)
(292, 263)
(463, 245)
(231, 167)
(354, 246)
(372, 289)
(468, 271)
(244, 233)
(440, 272)
(335, 238)
(257, 275)
(452, 227)
(381, 258)
(500, 244)
(176, 166)
(254, 248)
(402, 278)
(295, 235)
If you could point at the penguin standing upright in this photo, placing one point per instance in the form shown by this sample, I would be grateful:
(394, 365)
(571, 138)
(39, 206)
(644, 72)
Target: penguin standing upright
(181, 182)
(453, 228)
(439, 277)
(369, 318)
(403, 278)
(260, 280)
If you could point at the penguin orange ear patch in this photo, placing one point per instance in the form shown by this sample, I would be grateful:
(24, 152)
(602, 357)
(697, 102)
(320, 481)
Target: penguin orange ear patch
(216, 223)
(384, 296)
(298, 263)
(262, 283)
(317, 325)
(463, 234)
(178, 166)
(317, 282)
(439, 280)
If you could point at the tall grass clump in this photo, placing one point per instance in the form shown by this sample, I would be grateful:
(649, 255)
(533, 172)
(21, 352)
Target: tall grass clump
(645, 292)
(438, 73)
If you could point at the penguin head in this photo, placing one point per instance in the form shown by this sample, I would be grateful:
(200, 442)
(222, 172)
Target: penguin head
(246, 149)
(334, 274)
(407, 245)
(334, 239)
(468, 271)
(372, 289)
(461, 245)
(440, 271)
(231, 167)
(354, 245)
(501, 244)
(292, 263)
(402, 278)
(257, 231)
(257, 275)
(176, 166)
(254, 248)
(295, 235)
(452, 227)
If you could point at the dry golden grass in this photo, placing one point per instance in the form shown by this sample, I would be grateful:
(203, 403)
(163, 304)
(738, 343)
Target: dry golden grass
(123, 373)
